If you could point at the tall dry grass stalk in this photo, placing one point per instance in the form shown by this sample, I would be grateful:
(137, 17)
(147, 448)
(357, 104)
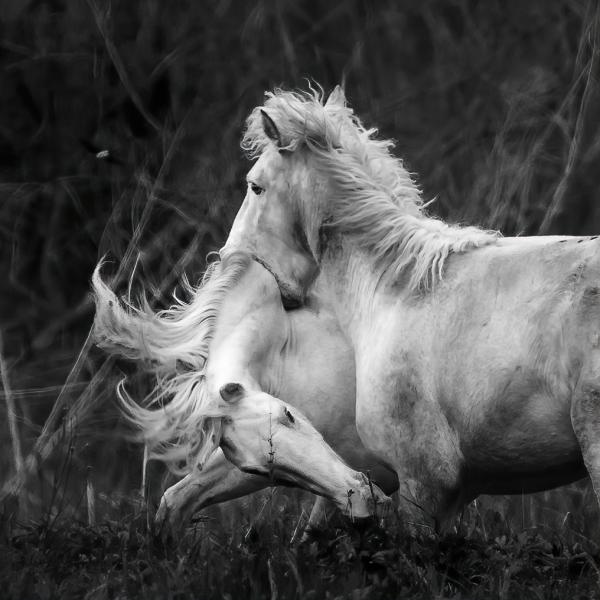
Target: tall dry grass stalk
(115, 57)
(143, 487)
(64, 412)
(90, 495)
(589, 41)
(11, 412)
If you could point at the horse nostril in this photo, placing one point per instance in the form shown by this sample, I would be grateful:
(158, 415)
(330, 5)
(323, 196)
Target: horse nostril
(231, 392)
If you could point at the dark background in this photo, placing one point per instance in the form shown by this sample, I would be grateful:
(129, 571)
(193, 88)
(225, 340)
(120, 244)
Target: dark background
(120, 125)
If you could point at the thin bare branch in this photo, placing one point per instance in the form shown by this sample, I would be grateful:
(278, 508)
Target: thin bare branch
(590, 36)
(52, 434)
(120, 67)
(11, 411)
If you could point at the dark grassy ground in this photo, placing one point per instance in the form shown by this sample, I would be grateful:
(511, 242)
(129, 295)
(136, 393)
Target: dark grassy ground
(239, 558)
(119, 135)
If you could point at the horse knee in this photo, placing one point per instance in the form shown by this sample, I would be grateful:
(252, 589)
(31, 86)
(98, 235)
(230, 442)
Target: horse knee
(319, 514)
(585, 414)
(176, 505)
(585, 419)
(585, 408)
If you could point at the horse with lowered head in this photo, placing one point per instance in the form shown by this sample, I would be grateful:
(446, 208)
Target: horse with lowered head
(234, 340)
(477, 357)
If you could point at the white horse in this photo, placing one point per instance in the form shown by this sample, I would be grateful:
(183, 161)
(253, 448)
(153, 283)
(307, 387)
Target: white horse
(477, 357)
(234, 330)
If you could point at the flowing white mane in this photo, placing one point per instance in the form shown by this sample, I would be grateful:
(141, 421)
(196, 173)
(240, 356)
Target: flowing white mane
(374, 198)
(176, 417)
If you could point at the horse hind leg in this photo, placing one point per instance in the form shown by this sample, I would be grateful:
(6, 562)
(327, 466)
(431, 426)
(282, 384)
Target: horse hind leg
(585, 419)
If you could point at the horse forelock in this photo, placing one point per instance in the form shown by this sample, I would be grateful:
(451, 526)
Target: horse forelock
(373, 197)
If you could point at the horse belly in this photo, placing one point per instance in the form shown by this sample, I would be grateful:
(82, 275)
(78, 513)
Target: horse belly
(523, 445)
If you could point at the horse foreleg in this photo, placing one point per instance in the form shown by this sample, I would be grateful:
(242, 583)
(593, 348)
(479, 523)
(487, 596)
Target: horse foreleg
(218, 481)
(585, 418)
(411, 435)
(319, 515)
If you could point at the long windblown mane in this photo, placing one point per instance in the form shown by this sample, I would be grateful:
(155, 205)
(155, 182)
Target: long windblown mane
(374, 199)
(176, 418)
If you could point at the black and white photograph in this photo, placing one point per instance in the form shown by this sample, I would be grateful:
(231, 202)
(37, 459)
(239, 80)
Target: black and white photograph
(300, 299)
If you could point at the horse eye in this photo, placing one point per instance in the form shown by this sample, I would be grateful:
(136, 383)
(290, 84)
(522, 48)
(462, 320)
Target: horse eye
(256, 189)
(289, 415)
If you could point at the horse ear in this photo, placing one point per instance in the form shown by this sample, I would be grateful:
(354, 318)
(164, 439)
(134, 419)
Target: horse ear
(270, 128)
(232, 392)
(337, 97)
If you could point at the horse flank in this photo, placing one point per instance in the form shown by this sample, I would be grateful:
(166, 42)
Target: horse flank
(375, 199)
(176, 419)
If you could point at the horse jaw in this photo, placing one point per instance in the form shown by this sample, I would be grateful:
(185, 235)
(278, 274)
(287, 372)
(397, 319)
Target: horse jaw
(265, 437)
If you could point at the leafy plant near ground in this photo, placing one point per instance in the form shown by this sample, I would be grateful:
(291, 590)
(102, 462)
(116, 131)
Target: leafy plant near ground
(120, 559)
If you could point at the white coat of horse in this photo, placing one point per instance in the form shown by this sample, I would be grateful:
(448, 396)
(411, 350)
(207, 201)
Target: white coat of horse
(477, 357)
(235, 330)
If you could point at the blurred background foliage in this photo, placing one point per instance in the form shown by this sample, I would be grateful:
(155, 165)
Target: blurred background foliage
(120, 125)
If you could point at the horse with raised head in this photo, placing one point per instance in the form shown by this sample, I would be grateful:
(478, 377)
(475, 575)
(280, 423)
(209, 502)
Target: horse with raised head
(477, 357)
(235, 329)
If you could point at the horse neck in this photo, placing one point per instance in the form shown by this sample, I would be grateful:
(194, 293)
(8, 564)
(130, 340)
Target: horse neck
(250, 322)
(351, 287)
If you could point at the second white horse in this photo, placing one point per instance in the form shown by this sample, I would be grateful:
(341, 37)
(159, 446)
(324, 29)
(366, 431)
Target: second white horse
(237, 322)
